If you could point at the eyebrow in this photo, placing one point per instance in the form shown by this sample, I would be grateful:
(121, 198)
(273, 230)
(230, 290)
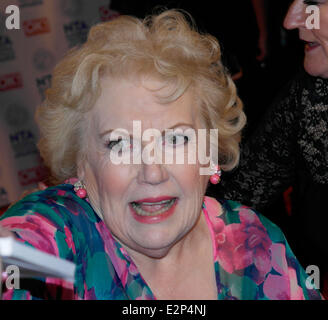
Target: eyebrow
(177, 125)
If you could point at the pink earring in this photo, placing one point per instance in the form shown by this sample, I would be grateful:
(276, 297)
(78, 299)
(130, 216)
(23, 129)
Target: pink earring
(216, 177)
(80, 190)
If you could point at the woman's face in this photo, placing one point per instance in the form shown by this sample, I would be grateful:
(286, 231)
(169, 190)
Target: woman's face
(148, 207)
(316, 40)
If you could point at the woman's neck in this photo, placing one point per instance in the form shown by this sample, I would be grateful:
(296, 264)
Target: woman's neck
(159, 261)
(186, 271)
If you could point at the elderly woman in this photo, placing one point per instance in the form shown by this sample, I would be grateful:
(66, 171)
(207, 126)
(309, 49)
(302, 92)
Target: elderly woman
(144, 230)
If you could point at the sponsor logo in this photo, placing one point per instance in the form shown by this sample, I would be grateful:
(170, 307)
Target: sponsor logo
(23, 143)
(76, 32)
(43, 84)
(32, 175)
(36, 26)
(43, 59)
(107, 14)
(6, 49)
(29, 3)
(16, 115)
(11, 81)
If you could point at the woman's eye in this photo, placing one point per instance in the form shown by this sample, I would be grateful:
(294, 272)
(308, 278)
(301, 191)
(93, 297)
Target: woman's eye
(119, 144)
(177, 140)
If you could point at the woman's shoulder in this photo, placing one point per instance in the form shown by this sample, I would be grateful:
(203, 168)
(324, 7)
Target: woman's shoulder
(55, 221)
(57, 205)
(234, 213)
(59, 223)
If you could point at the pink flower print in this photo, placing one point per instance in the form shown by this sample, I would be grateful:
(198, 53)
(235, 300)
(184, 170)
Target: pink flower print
(69, 239)
(259, 244)
(247, 217)
(245, 243)
(217, 224)
(296, 292)
(276, 287)
(213, 208)
(279, 262)
(284, 287)
(231, 250)
(34, 229)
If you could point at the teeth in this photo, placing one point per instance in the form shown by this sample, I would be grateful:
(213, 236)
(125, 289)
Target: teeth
(156, 203)
(137, 208)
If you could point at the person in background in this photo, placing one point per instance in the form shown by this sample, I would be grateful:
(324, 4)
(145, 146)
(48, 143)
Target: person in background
(290, 149)
(145, 230)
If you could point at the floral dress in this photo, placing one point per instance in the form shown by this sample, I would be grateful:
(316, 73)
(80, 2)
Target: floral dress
(251, 257)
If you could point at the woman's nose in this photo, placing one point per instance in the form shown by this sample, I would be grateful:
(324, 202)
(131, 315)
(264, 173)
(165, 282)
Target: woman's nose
(152, 170)
(295, 17)
(152, 174)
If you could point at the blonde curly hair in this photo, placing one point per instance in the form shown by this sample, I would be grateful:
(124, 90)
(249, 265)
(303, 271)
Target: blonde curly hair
(166, 46)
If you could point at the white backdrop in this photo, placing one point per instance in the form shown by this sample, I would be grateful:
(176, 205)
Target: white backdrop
(48, 28)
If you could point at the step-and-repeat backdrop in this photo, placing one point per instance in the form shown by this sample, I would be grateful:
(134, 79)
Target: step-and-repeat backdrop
(47, 29)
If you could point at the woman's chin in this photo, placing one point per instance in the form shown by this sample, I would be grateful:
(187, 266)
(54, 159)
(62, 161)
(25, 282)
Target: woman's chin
(316, 67)
(153, 249)
(155, 242)
(316, 73)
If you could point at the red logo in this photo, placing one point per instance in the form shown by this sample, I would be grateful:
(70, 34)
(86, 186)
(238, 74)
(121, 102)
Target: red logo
(32, 175)
(36, 26)
(11, 81)
(106, 14)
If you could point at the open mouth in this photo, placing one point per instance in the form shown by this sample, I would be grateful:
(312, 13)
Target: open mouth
(153, 210)
(145, 208)
(311, 45)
